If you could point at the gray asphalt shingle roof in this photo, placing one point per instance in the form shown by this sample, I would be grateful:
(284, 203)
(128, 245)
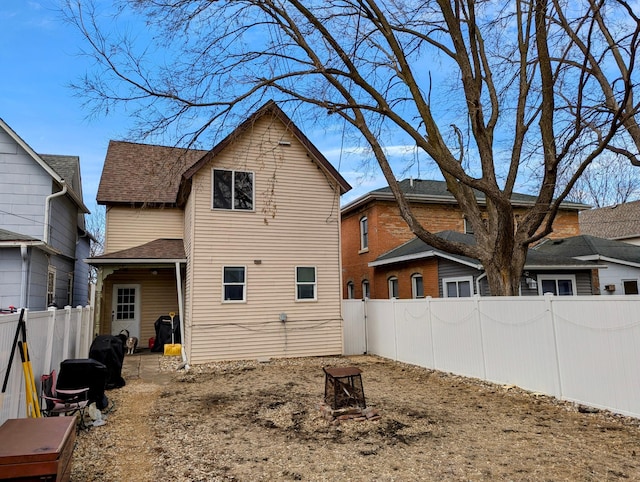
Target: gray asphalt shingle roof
(585, 245)
(613, 222)
(416, 247)
(158, 249)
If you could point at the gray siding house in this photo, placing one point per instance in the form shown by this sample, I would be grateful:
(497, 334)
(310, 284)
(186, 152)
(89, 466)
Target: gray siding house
(43, 239)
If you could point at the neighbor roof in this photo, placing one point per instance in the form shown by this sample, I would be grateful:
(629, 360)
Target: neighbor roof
(418, 249)
(614, 222)
(592, 248)
(9, 239)
(159, 250)
(431, 191)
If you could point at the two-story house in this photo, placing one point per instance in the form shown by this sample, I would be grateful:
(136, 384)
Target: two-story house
(372, 226)
(43, 239)
(242, 242)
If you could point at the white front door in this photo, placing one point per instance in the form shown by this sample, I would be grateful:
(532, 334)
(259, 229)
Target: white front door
(125, 309)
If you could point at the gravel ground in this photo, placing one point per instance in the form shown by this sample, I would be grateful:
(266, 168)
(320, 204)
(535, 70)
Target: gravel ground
(252, 421)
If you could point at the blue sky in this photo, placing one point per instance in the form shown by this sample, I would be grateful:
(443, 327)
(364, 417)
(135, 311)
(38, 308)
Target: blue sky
(39, 59)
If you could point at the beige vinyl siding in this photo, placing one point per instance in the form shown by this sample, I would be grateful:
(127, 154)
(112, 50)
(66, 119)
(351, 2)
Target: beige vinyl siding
(130, 227)
(158, 296)
(295, 223)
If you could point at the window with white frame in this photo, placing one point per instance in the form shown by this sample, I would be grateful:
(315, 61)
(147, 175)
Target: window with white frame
(70, 290)
(366, 293)
(457, 287)
(468, 228)
(350, 290)
(234, 281)
(232, 190)
(364, 233)
(417, 286)
(560, 284)
(393, 287)
(51, 285)
(630, 286)
(306, 283)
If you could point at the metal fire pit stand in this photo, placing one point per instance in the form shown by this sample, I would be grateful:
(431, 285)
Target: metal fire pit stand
(343, 387)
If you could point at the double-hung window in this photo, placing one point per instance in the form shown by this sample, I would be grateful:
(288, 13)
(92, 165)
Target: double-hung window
(51, 286)
(457, 287)
(417, 286)
(232, 190)
(234, 282)
(364, 234)
(393, 287)
(306, 283)
(560, 285)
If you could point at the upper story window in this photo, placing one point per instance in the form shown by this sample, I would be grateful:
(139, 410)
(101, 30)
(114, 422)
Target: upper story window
(366, 293)
(364, 233)
(350, 290)
(305, 283)
(232, 190)
(560, 285)
(234, 281)
(468, 228)
(457, 287)
(393, 287)
(417, 286)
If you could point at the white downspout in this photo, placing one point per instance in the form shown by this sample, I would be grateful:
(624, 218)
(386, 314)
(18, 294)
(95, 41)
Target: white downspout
(185, 362)
(483, 275)
(47, 210)
(24, 254)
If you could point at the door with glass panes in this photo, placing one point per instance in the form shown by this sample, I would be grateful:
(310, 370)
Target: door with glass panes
(125, 309)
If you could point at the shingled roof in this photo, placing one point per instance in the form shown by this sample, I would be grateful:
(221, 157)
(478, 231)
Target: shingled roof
(591, 247)
(432, 191)
(418, 249)
(164, 249)
(143, 173)
(614, 222)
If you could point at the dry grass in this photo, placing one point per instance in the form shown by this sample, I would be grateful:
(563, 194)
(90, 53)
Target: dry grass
(250, 421)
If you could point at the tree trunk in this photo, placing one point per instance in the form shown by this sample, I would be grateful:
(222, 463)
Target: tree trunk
(504, 270)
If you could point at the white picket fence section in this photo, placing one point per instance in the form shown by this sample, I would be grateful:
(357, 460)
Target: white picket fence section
(584, 349)
(52, 336)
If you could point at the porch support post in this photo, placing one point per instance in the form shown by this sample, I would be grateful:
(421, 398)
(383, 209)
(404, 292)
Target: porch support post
(181, 313)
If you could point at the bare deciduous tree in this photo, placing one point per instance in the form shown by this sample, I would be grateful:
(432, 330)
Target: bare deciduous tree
(550, 82)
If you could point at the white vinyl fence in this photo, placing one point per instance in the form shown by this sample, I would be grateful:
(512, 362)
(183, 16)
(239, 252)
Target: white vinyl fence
(52, 336)
(584, 349)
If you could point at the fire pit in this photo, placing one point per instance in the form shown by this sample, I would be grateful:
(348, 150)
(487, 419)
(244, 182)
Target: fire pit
(343, 388)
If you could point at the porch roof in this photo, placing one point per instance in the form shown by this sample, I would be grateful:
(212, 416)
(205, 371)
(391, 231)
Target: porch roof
(156, 251)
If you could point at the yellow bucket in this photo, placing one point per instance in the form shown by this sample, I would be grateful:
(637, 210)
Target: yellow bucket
(172, 349)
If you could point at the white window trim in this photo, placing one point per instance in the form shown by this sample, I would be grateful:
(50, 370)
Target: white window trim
(456, 280)
(351, 290)
(363, 248)
(556, 277)
(244, 285)
(253, 190)
(390, 280)
(414, 288)
(364, 292)
(468, 227)
(51, 295)
(315, 284)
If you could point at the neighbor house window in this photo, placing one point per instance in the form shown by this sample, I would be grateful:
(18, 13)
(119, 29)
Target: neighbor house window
(630, 286)
(560, 285)
(51, 286)
(232, 190)
(234, 282)
(305, 283)
(457, 287)
(365, 289)
(350, 290)
(70, 290)
(393, 287)
(468, 228)
(417, 286)
(364, 233)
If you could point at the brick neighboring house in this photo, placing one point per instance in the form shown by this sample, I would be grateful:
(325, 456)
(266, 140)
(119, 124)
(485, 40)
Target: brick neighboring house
(242, 242)
(372, 226)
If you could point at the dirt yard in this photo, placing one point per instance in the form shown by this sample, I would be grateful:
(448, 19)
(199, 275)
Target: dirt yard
(251, 421)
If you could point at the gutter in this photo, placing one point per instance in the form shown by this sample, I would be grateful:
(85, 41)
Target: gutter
(47, 210)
